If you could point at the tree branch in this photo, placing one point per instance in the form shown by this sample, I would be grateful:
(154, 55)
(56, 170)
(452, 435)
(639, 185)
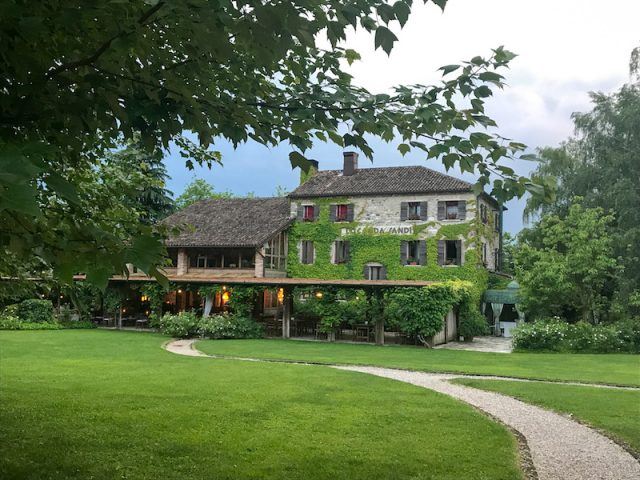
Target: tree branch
(104, 47)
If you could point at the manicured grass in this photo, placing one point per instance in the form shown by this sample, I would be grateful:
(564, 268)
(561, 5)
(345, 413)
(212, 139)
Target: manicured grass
(106, 405)
(616, 412)
(619, 369)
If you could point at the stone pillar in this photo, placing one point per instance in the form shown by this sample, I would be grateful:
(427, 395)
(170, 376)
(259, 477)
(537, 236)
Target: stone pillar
(259, 262)
(287, 308)
(183, 262)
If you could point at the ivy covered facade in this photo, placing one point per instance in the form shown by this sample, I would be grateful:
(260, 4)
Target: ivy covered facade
(415, 245)
(421, 225)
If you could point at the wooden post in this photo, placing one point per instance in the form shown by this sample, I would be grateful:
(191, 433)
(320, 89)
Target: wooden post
(374, 298)
(287, 307)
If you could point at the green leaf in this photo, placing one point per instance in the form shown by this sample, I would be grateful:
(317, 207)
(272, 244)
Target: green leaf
(483, 91)
(448, 69)
(296, 159)
(440, 3)
(403, 148)
(351, 55)
(402, 11)
(384, 38)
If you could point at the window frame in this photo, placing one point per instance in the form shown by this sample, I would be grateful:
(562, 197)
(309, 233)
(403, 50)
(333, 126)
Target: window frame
(451, 204)
(305, 210)
(304, 252)
(455, 258)
(413, 210)
(344, 257)
(342, 207)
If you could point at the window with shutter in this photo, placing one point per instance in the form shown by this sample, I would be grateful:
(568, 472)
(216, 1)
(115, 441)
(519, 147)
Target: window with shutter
(422, 252)
(442, 207)
(462, 210)
(350, 212)
(441, 251)
(414, 252)
(341, 213)
(306, 252)
(413, 211)
(309, 214)
(496, 221)
(404, 209)
(452, 210)
(404, 248)
(332, 212)
(341, 251)
(452, 252)
(375, 271)
(423, 211)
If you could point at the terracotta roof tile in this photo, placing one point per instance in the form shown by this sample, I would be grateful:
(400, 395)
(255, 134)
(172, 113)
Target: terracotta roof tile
(379, 181)
(234, 222)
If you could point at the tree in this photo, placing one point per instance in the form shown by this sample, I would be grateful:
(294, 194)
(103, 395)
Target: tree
(565, 266)
(509, 247)
(77, 79)
(601, 165)
(199, 189)
(147, 173)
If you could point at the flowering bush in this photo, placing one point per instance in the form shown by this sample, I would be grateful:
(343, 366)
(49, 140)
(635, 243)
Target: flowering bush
(548, 334)
(188, 324)
(556, 335)
(229, 326)
(182, 325)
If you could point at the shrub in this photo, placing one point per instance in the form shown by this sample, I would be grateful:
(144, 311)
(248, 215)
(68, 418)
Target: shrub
(229, 326)
(557, 335)
(35, 311)
(79, 324)
(9, 322)
(182, 325)
(548, 334)
(629, 332)
(471, 322)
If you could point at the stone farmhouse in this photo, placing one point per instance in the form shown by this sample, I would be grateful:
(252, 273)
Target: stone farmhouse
(355, 227)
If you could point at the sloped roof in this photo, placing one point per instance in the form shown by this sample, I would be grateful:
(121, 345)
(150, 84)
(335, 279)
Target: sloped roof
(230, 222)
(379, 181)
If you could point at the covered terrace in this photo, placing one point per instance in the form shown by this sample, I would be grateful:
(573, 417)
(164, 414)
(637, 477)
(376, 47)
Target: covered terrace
(373, 290)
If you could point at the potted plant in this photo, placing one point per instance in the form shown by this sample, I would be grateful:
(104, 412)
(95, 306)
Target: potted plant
(412, 261)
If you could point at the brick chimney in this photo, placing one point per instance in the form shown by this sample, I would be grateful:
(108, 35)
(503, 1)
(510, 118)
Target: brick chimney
(304, 176)
(350, 163)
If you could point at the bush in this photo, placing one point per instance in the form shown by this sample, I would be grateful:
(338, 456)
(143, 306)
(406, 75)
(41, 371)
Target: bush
(9, 322)
(182, 325)
(229, 326)
(556, 335)
(630, 334)
(548, 334)
(79, 324)
(35, 311)
(471, 322)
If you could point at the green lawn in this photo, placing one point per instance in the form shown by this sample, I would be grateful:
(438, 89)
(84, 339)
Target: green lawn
(616, 412)
(105, 405)
(621, 369)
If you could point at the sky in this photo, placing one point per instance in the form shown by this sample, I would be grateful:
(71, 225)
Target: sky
(566, 48)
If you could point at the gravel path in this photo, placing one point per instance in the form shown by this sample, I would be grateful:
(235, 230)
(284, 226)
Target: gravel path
(561, 449)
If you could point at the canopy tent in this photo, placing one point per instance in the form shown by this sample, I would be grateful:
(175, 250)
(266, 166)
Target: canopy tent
(498, 299)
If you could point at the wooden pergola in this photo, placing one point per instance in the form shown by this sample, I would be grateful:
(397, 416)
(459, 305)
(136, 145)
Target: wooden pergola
(373, 288)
